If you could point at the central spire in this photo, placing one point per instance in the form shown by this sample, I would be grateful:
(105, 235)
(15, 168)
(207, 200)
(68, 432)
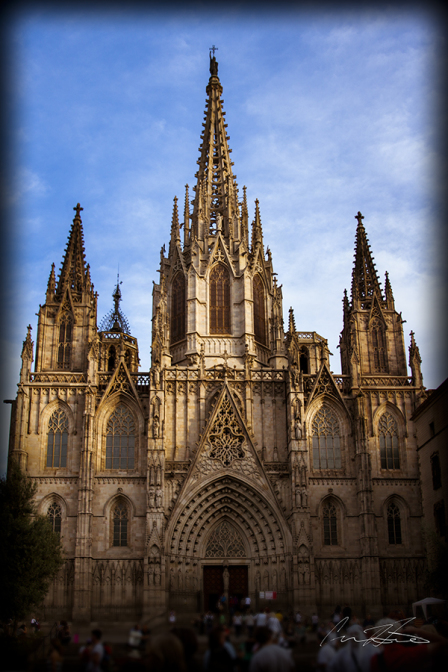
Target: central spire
(216, 194)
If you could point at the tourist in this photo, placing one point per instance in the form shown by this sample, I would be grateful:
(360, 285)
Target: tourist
(54, 658)
(165, 653)
(135, 637)
(238, 624)
(96, 653)
(270, 657)
(249, 622)
(190, 645)
(220, 655)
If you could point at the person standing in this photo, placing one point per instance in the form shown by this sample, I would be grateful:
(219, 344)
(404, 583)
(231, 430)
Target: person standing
(96, 652)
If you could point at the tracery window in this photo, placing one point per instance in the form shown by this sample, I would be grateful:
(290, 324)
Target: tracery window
(394, 524)
(225, 542)
(57, 439)
(178, 308)
(120, 439)
(378, 344)
(436, 472)
(259, 312)
(388, 435)
(54, 515)
(303, 360)
(219, 300)
(65, 342)
(120, 524)
(326, 440)
(330, 525)
(439, 518)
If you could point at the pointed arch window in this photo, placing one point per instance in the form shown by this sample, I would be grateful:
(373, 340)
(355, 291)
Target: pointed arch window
(120, 519)
(219, 300)
(388, 435)
(120, 439)
(330, 525)
(259, 310)
(225, 542)
(378, 345)
(65, 342)
(54, 515)
(111, 358)
(304, 360)
(57, 439)
(436, 471)
(326, 440)
(178, 308)
(394, 524)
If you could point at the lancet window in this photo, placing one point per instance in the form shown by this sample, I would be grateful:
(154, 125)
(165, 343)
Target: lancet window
(219, 300)
(394, 524)
(378, 345)
(54, 515)
(120, 519)
(326, 440)
(65, 342)
(178, 308)
(120, 439)
(388, 435)
(436, 471)
(259, 310)
(330, 525)
(111, 358)
(57, 439)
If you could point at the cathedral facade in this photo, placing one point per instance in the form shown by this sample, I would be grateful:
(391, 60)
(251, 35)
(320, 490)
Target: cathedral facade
(239, 463)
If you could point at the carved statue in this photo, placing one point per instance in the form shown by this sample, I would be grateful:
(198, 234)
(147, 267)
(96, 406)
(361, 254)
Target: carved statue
(298, 429)
(155, 427)
(159, 498)
(156, 376)
(157, 575)
(304, 497)
(150, 575)
(151, 498)
(298, 497)
(283, 580)
(225, 578)
(258, 581)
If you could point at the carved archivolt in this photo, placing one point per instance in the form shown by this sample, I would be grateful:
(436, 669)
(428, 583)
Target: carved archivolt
(227, 497)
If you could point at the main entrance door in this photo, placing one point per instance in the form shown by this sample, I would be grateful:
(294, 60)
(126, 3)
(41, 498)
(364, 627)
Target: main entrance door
(214, 584)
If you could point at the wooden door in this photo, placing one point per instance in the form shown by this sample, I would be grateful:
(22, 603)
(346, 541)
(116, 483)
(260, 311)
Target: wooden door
(213, 586)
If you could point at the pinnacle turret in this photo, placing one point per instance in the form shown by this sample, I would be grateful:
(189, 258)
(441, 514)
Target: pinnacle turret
(175, 228)
(186, 217)
(115, 320)
(51, 287)
(257, 231)
(365, 281)
(73, 272)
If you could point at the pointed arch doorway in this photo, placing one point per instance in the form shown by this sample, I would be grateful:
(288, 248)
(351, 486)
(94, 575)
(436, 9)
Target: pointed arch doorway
(226, 546)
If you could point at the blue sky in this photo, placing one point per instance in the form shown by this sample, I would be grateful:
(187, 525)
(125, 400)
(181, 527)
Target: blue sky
(329, 112)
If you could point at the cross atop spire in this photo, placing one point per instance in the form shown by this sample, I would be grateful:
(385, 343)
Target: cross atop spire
(78, 210)
(359, 217)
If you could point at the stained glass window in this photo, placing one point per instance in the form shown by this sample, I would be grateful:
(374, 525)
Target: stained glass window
(259, 312)
(388, 435)
(57, 439)
(120, 439)
(326, 440)
(178, 308)
(330, 525)
(219, 300)
(394, 524)
(65, 342)
(54, 515)
(120, 525)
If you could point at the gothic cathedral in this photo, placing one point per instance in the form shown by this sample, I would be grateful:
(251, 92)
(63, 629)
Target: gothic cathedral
(239, 463)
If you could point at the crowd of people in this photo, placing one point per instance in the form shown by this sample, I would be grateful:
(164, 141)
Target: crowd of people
(265, 641)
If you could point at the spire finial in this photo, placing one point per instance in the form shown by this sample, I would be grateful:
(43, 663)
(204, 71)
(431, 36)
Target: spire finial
(78, 210)
(359, 217)
(292, 322)
(213, 62)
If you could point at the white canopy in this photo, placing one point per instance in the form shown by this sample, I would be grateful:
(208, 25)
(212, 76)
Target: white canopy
(424, 604)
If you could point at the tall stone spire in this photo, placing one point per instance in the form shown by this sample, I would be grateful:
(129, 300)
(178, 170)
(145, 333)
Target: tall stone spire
(175, 230)
(365, 281)
(73, 273)
(257, 231)
(186, 217)
(216, 193)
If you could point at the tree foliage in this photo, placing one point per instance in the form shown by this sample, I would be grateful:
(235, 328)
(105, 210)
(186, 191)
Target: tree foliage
(30, 552)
